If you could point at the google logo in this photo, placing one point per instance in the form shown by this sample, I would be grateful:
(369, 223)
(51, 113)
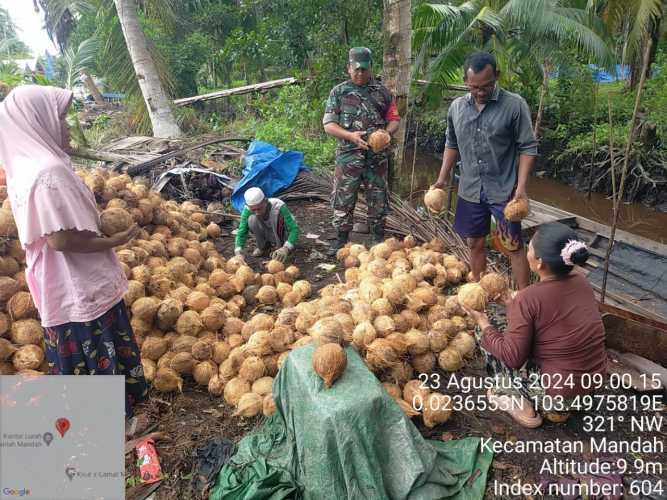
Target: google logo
(16, 493)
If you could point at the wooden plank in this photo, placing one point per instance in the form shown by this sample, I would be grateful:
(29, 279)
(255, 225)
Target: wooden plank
(626, 303)
(246, 89)
(625, 314)
(616, 365)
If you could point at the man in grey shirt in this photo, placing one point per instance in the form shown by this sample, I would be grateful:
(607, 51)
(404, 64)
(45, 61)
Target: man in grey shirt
(490, 130)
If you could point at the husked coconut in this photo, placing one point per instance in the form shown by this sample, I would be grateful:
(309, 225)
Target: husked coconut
(303, 287)
(464, 343)
(216, 385)
(417, 342)
(384, 325)
(213, 317)
(189, 323)
(202, 350)
(235, 389)
(250, 405)
(434, 199)
(28, 357)
(262, 386)
(381, 355)
(494, 284)
(378, 140)
(415, 392)
(329, 362)
(145, 308)
(517, 209)
(473, 296)
(27, 331)
(184, 343)
(275, 266)
(437, 409)
(183, 363)
(8, 288)
(213, 230)
(7, 224)
(424, 363)
(267, 295)
(168, 313)
(450, 360)
(167, 380)
(327, 330)
(204, 372)
(115, 220)
(364, 333)
(6, 349)
(154, 348)
(198, 301)
(21, 306)
(252, 369)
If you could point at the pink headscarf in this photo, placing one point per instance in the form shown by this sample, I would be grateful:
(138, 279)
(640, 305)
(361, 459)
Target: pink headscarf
(31, 150)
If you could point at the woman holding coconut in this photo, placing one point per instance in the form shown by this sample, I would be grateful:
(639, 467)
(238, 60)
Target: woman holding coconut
(73, 275)
(554, 333)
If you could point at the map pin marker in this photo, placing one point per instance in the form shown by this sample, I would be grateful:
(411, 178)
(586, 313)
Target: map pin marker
(70, 471)
(47, 437)
(62, 426)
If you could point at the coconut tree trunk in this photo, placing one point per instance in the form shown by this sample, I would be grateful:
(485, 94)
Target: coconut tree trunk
(397, 33)
(158, 104)
(92, 88)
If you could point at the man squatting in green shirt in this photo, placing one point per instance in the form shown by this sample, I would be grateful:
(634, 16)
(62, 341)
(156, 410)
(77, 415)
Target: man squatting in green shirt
(270, 222)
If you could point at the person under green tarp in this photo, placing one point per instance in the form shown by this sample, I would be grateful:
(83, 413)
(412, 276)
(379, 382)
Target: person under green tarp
(351, 441)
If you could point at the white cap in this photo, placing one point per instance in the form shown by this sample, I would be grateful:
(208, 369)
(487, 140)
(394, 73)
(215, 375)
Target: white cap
(253, 196)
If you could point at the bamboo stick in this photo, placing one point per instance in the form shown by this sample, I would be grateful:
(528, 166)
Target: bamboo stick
(626, 162)
(594, 151)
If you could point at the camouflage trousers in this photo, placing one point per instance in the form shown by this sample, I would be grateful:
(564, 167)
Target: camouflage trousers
(353, 170)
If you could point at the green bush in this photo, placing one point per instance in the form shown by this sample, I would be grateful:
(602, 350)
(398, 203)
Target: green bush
(292, 120)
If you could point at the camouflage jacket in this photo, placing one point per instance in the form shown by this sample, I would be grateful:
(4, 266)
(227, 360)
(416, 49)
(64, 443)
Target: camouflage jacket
(352, 107)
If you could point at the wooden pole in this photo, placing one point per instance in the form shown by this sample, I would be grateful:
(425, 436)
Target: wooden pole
(611, 150)
(626, 162)
(450, 188)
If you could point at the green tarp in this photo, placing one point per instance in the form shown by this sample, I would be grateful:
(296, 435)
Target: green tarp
(351, 441)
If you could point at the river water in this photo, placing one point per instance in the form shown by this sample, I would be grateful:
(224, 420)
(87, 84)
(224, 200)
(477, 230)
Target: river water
(634, 217)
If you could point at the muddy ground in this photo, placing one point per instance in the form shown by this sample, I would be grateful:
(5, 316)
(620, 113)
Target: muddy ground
(194, 417)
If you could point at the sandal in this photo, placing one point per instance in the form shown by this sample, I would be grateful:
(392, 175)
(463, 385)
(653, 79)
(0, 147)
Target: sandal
(522, 413)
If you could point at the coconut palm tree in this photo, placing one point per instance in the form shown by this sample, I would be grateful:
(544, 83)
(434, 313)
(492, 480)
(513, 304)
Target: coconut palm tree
(129, 59)
(519, 32)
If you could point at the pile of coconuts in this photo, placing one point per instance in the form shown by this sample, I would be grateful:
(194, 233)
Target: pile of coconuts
(187, 303)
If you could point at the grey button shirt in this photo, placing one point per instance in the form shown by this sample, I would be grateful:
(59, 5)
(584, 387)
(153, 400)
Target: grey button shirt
(489, 143)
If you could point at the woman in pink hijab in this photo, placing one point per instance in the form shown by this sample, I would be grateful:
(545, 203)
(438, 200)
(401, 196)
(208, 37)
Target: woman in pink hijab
(73, 274)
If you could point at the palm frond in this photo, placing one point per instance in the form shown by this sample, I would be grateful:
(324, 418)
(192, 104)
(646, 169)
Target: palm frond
(78, 61)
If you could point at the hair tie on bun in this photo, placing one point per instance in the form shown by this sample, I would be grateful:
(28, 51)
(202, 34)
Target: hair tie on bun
(570, 248)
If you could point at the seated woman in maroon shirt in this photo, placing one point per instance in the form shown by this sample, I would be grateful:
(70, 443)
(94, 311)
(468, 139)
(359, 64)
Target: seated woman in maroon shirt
(554, 334)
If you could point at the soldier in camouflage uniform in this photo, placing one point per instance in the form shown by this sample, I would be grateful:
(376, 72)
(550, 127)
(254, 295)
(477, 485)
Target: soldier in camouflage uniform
(354, 109)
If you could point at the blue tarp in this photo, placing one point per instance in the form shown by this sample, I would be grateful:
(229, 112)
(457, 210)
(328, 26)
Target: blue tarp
(268, 168)
(621, 72)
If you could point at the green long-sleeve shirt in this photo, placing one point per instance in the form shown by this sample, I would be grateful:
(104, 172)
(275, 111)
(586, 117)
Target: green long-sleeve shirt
(280, 220)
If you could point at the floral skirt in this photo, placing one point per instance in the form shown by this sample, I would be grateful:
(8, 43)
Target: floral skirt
(104, 346)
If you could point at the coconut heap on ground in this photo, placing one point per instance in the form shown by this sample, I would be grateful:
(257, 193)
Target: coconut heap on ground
(187, 303)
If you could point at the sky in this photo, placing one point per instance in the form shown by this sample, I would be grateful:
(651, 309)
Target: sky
(29, 24)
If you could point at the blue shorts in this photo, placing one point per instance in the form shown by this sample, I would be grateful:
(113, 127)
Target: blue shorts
(473, 220)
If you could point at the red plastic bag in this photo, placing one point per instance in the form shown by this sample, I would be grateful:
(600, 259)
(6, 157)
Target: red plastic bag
(149, 463)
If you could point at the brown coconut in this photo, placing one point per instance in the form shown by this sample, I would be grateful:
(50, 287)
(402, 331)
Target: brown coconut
(7, 224)
(381, 354)
(424, 363)
(415, 393)
(464, 343)
(434, 199)
(407, 408)
(213, 317)
(27, 331)
(6, 349)
(8, 288)
(150, 369)
(28, 357)
(450, 360)
(216, 385)
(168, 313)
(21, 306)
(202, 350)
(252, 369)
(417, 342)
(154, 348)
(262, 386)
(267, 295)
(473, 296)
(494, 285)
(379, 140)
(437, 409)
(249, 405)
(517, 209)
(189, 323)
(204, 371)
(235, 389)
(183, 363)
(329, 362)
(115, 220)
(392, 389)
(327, 330)
(145, 308)
(167, 380)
